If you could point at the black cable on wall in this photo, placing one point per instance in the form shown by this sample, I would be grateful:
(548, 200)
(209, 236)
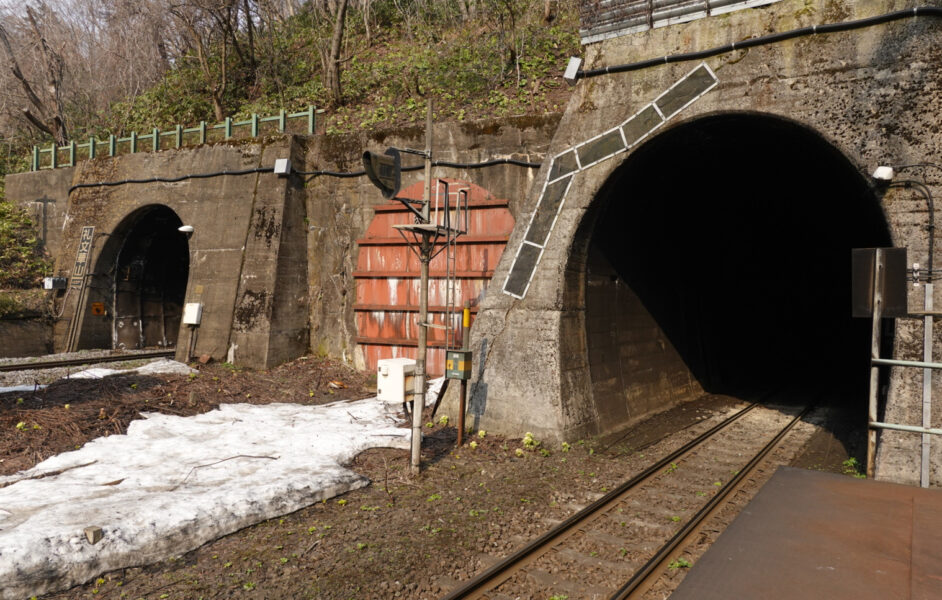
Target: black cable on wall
(340, 174)
(921, 11)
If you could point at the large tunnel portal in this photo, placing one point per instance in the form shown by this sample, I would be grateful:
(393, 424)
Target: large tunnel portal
(717, 259)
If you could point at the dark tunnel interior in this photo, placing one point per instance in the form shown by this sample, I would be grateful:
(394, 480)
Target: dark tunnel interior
(150, 281)
(735, 233)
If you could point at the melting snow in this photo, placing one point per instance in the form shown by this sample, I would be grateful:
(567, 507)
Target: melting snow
(20, 388)
(174, 483)
(163, 365)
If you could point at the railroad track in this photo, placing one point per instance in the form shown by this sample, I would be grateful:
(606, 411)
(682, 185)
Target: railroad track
(49, 364)
(591, 554)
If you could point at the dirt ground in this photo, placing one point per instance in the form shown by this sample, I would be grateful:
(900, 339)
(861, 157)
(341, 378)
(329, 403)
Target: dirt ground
(397, 538)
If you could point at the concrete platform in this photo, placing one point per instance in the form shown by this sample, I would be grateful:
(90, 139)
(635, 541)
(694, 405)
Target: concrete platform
(808, 534)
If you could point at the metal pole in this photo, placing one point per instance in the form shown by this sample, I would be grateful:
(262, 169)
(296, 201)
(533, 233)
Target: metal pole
(926, 386)
(916, 364)
(879, 263)
(465, 344)
(909, 428)
(418, 403)
(428, 162)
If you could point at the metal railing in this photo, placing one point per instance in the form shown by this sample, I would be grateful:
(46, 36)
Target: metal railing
(54, 156)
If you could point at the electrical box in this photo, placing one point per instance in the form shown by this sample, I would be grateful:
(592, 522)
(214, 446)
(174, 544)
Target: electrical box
(458, 364)
(895, 300)
(282, 167)
(395, 379)
(54, 283)
(192, 313)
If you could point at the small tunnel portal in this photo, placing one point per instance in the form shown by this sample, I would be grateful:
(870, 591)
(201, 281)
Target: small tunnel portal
(718, 260)
(141, 276)
(150, 281)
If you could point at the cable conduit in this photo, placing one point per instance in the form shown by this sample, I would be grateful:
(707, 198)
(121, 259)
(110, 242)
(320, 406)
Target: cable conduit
(920, 11)
(442, 163)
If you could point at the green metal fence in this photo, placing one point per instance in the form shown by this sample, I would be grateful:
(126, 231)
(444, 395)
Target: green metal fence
(66, 156)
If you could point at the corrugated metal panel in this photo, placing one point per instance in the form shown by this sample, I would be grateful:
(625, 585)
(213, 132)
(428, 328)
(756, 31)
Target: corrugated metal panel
(602, 19)
(387, 277)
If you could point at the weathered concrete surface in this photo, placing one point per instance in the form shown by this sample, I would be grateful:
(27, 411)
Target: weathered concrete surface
(25, 337)
(340, 210)
(874, 94)
(271, 259)
(40, 189)
(634, 368)
(272, 274)
(237, 219)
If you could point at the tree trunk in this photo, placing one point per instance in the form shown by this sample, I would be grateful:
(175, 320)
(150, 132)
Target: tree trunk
(54, 68)
(366, 22)
(332, 68)
(549, 11)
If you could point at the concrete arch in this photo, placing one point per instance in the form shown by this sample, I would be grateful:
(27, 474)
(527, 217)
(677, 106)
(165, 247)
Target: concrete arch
(580, 315)
(703, 265)
(140, 277)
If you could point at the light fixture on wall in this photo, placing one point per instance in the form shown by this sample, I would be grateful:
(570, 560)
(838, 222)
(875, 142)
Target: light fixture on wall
(884, 173)
(186, 230)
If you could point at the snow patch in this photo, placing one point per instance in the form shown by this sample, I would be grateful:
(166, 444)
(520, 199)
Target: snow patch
(174, 483)
(20, 388)
(161, 366)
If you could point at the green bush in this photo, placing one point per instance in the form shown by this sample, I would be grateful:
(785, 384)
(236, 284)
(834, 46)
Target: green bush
(22, 261)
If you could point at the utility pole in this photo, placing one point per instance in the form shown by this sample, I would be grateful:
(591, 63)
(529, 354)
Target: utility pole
(384, 171)
(425, 257)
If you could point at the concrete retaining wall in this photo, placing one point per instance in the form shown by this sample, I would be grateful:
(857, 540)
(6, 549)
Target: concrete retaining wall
(340, 210)
(271, 259)
(25, 337)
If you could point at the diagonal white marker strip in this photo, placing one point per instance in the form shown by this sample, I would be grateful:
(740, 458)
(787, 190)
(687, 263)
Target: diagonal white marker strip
(174, 483)
(585, 155)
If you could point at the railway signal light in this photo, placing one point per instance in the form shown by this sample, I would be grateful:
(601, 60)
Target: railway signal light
(384, 170)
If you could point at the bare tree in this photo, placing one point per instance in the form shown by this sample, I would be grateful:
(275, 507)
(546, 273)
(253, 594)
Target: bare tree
(44, 113)
(202, 36)
(74, 61)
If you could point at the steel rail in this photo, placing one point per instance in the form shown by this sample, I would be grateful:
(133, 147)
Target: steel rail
(644, 577)
(49, 364)
(505, 568)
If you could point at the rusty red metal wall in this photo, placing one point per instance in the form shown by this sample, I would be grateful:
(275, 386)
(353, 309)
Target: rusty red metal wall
(387, 276)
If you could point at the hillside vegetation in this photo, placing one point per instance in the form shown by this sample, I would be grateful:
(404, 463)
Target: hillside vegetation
(22, 260)
(98, 67)
(504, 60)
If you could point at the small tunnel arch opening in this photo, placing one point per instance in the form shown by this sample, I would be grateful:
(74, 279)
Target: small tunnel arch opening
(141, 276)
(717, 258)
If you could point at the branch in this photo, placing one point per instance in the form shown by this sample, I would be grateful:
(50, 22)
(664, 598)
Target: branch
(37, 123)
(53, 66)
(217, 462)
(15, 68)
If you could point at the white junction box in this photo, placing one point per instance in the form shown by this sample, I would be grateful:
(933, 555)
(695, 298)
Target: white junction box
(192, 313)
(54, 283)
(395, 379)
